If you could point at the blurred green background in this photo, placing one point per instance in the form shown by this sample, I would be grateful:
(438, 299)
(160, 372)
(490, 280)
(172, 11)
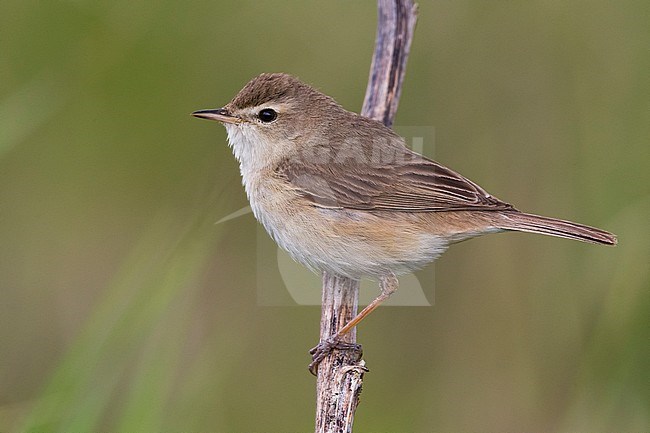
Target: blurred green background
(124, 308)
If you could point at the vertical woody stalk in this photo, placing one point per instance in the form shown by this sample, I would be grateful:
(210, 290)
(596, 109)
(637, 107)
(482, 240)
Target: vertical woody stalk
(340, 374)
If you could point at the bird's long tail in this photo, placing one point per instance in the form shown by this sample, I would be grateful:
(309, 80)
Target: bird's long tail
(554, 227)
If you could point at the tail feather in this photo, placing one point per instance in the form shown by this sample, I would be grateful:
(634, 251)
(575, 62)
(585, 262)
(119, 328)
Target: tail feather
(555, 227)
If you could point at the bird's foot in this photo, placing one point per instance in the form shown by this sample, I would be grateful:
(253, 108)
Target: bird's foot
(326, 347)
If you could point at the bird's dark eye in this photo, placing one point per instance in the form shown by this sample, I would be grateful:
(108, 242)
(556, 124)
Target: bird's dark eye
(267, 115)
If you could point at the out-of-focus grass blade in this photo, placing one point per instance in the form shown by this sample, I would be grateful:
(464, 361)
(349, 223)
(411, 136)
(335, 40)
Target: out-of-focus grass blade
(158, 272)
(27, 108)
(609, 395)
(151, 387)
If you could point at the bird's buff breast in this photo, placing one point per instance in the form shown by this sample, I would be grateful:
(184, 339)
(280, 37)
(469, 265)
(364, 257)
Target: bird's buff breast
(348, 242)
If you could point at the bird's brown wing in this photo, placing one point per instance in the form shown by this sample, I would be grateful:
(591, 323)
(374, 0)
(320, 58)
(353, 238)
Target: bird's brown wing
(415, 184)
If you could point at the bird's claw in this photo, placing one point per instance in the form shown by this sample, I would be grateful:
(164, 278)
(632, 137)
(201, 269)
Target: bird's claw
(324, 348)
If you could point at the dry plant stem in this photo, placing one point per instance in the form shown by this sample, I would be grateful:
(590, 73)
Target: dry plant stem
(340, 374)
(395, 27)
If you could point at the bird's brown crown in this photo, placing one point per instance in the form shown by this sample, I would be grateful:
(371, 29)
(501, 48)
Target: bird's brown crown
(275, 87)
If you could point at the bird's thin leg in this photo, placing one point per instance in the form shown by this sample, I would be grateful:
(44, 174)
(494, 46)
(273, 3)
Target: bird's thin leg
(388, 285)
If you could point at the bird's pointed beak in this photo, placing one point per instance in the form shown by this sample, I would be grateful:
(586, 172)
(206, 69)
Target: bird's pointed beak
(218, 114)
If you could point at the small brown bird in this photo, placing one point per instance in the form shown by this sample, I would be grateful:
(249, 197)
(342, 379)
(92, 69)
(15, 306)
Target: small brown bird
(342, 193)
